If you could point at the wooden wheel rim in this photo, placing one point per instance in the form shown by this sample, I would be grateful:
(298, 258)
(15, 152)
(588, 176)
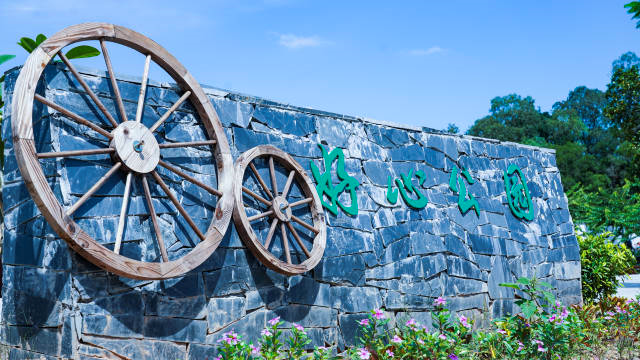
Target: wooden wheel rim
(52, 210)
(243, 225)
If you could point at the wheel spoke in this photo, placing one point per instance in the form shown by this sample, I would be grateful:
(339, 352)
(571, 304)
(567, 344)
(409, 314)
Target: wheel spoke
(260, 216)
(170, 111)
(298, 240)
(93, 189)
(190, 178)
(77, 118)
(304, 224)
(143, 89)
(75, 153)
(287, 186)
(154, 219)
(272, 230)
(256, 196)
(262, 183)
(91, 94)
(272, 171)
(114, 82)
(176, 203)
(300, 202)
(187, 143)
(123, 214)
(285, 242)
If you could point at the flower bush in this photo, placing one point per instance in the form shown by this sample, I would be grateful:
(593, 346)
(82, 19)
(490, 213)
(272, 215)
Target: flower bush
(544, 329)
(602, 263)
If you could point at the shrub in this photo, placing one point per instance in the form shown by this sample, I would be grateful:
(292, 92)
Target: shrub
(602, 263)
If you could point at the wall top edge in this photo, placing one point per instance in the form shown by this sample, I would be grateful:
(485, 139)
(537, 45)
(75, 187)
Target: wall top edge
(259, 101)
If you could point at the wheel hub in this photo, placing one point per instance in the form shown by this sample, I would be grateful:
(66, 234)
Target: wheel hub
(136, 147)
(281, 209)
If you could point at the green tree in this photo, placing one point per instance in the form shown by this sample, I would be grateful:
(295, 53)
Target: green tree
(452, 128)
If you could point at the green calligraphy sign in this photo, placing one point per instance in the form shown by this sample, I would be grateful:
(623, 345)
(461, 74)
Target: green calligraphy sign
(457, 185)
(518, 193)
(325, 188)
(406, 187)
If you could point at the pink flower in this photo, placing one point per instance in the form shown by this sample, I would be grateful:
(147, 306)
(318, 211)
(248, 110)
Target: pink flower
(565, 313)
(464, 322)
(629, 302)
(378, 314)
(219, 357)
(364, 354)
(274, 321)
(442, 337)
(254, 350)
(520, 346)
(453, 357)
(411, 323)
(440, 301)
(265, 332)
(396, 339)
(298, 327)
(552, 318)
(230, 338)
(364, 322)
(502, 331)
(389, 353)
(540, 347)
(420, 341)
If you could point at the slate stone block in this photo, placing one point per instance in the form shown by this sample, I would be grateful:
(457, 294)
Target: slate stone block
(499, 273)
(224, 311)
(268, 296)
(355, 299)
(342, 270)
(175, 329)
(126, 326)
(333, 131)
(288, 122)
(378, 172)
(463, 268)
(307, 291)
(433, 265)
(424, 243)
(460, 286)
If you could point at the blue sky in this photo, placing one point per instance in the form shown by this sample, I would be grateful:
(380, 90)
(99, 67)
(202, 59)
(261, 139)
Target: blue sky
(422, 63)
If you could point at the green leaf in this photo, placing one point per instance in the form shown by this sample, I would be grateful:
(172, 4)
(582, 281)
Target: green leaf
(82, 51)
(40, 39)
(528, 309)
(545, 284)
(524, 281)
(28, 44)
(511, 285)
(5, 58)
(549, 297)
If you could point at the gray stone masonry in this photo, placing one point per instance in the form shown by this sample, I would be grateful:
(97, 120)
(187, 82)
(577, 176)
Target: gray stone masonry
(57, 305)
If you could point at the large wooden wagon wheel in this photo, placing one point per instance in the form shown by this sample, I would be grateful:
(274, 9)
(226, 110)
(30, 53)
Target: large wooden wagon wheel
(134, 150)
(293, 206)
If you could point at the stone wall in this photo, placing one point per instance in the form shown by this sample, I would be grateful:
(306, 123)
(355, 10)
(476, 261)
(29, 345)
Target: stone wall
(56, 304)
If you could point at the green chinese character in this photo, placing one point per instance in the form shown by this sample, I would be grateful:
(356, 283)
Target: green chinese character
(325, 187)
(456, 184)
(405, 186)
(518, 193)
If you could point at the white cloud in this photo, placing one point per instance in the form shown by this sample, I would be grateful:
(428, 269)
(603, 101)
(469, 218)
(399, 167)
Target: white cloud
(424, 52)
(296, 42)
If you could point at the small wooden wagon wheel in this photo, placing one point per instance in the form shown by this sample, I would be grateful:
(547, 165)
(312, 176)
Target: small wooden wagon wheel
(135, 153)
(288, 209)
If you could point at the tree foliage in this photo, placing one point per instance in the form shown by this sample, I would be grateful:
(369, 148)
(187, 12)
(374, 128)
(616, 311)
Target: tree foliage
(602, 264)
